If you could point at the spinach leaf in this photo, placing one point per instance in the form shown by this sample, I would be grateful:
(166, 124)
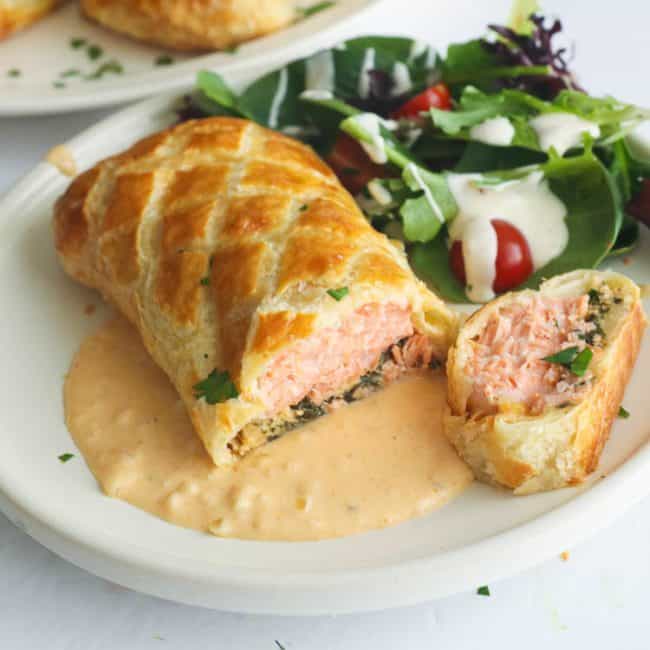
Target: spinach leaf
(430, 262)
(593, 219)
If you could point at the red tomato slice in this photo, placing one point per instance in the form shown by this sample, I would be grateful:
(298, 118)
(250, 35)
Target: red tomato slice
(514, 263)
(437, 96)
(351, 164)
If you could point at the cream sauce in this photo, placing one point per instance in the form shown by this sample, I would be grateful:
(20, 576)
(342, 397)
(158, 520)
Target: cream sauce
(528, 204)
(401, 79)
(320, 73)
(367, 65)
(562, 131)
(369, 465)
(371, 124)
(278, 98)
(428, 195)
(497, 131)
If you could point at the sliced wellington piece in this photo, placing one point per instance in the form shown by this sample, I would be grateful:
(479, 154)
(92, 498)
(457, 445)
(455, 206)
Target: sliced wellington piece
(192, 25)
(536, 379)
(251, 275)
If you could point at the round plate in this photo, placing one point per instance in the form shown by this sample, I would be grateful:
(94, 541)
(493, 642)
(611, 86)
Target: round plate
(54, 76)
(484, 535)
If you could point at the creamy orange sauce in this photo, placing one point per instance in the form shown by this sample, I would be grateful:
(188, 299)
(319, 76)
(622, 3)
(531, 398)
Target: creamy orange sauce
(372, 464)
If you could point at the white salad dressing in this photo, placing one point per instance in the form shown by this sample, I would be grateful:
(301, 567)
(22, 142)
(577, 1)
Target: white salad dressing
(320, 73)
(367, 65)
(317, 95)
(372, 464)
(379, 192)
(527, 204)
(497, 131)
(401, 79)
(418, 48)
(371, 124)
(433, 204)
(278, 98)
(562, 130)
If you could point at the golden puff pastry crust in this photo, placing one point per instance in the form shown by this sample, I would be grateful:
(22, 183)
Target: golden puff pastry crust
(561, 446)
(219, 240)
(192, 25)
(17, 14)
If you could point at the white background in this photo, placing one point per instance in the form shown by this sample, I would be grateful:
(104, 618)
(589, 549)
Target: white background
(597, 598)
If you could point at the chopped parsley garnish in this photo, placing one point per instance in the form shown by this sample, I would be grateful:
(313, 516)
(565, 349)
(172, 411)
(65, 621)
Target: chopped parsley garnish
(572, 359)
(338, 294)
(94, 52)
(76, 43)
(231, 49)
(70, 72)
(314, 9)
(217, 387)
(205, 281)
(164, 59)
(14, 72)
(623, 413)
(303, 207)
(113, 66)
(58, 84)
(483, 591)
(64, 458)
(580, 364)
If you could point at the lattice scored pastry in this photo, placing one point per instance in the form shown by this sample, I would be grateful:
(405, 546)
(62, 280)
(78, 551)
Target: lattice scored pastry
(192, 24)
(17, 14)
(252, 276)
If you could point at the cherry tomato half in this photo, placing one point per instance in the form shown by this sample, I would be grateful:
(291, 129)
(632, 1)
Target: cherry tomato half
(351, 164)
(514, 263)
(437, 96)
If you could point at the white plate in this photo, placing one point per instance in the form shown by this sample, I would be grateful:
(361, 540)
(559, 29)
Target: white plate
(484, 535)
(43, 53)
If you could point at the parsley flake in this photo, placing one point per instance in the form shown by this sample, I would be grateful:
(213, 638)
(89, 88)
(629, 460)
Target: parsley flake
(623, 413)
(70, 72)
(563, 357)
(217, 387)
(483, 591)
(231, 49)
(112, 66)
(164, 59)
(580, 364)
(314, 9)
(76, 43)
(14, 72)
(64, 458)
(338, 294)
(94, 52)
(205, 281)
(304, 207)
(58, 84)
(572, 359)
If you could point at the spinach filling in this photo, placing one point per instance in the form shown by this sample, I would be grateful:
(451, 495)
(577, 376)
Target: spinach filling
(307, 410)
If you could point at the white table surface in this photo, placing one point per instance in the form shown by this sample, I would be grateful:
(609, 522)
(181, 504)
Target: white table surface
(597, 598)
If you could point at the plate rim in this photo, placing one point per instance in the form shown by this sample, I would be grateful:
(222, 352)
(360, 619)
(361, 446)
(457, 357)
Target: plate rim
(262, 52)
(308, 592)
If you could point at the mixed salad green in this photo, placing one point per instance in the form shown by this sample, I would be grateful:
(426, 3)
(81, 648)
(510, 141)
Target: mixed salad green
(396, 121)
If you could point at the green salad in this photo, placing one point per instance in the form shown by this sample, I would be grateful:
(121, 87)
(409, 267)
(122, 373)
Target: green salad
(491, 164)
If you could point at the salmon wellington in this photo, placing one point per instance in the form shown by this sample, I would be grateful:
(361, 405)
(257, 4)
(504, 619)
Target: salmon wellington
(252, 277)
